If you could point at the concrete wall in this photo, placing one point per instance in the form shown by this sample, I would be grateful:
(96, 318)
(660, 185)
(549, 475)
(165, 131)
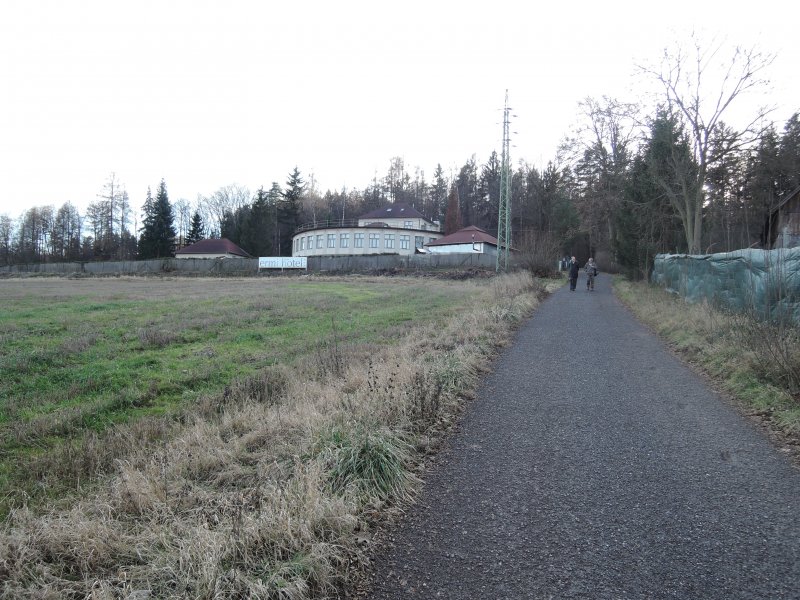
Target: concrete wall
(189, 266)
(249, 266)
(416, 261)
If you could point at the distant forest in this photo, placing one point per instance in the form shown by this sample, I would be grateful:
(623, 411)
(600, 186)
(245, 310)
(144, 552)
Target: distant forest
(625, 185)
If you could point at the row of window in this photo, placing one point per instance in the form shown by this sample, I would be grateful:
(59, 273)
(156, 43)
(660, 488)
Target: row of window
(320, 241)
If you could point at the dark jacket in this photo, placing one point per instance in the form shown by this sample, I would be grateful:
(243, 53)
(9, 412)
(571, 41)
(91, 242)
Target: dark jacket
(574, 269)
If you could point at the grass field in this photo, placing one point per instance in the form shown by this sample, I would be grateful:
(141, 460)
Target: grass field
(80, 356)
(224, 438)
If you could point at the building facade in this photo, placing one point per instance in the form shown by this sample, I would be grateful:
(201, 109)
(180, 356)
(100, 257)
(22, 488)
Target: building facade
(395, 229)
(782, 229)
(470, 240)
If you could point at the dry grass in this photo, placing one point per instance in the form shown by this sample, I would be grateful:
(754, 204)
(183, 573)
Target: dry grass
(272, 488)
(758, 363)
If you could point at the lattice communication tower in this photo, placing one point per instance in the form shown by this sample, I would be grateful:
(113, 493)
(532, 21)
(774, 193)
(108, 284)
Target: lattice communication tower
(504, 214)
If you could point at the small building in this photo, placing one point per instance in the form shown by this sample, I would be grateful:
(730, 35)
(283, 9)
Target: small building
(782, 229)
(395, 229)
(217, 248)
(471, 240)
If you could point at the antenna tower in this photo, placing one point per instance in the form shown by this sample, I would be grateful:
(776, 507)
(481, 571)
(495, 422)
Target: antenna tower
(504, 213)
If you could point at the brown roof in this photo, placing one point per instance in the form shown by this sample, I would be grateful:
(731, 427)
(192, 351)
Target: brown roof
(465, 236)
(220, 246)
(397, 210)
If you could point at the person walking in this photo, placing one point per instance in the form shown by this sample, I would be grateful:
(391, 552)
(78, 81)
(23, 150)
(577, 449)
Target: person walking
(574, 269)
(591, 273)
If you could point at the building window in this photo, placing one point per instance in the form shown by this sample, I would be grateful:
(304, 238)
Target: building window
(431, 240)
(311, 242)
(344, 240)
(358, 240)
(374, 238)
(419, 241)
(408, 225)
(331, 240)
(405, 240)
(302, 243)
(388, 241)
(296, 245)
(320, 242)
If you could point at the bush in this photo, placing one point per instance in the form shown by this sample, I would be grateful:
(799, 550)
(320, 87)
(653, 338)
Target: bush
(539, 252)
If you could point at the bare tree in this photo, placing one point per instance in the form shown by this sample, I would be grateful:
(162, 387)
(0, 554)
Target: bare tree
(183, 215)
(603, 146)
(701, 84)
(225, 200)
(65, 234)
(110, 210)
(6, 238)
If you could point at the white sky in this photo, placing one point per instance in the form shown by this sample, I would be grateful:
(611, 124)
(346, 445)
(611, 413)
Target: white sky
(208, 93)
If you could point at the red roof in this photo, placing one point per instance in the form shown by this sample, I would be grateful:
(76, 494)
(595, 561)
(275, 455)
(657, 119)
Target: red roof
(467, 235)
(398, 210)
(220, 246)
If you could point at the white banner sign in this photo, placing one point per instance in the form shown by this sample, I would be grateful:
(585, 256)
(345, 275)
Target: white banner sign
(283, 262)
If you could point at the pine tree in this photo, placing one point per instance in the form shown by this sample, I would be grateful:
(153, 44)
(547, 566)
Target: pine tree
(274, 197)
(489, 193)
(289, 211)
(438, 194)
(467, 183)
(158, 230)
(146, 237)
(256, 229)
(790, 155)
(196, 229)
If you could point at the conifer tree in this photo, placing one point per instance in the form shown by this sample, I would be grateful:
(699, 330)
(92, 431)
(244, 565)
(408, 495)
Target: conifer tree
(196, 229)
(158, 230)
(256, 229)
(289, 211)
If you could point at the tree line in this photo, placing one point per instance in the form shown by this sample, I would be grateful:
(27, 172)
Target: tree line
(627, 184)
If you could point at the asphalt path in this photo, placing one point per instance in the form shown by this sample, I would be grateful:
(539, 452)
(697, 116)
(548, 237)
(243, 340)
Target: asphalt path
(594, 464)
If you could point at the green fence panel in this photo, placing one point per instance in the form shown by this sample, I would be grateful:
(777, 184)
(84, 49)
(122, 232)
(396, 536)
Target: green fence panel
(763, 282)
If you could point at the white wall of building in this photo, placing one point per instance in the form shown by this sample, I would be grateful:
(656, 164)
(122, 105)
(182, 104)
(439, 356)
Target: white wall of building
(476, 248)
(360, 241)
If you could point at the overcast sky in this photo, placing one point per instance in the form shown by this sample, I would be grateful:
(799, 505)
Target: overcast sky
(205, 94)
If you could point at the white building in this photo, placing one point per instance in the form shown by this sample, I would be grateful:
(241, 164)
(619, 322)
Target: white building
(395, 229)
(470, 240)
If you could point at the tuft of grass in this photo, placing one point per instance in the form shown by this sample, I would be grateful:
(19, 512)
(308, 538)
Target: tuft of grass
(372, 464)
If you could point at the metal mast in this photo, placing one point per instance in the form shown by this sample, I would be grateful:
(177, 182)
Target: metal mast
(504, 213)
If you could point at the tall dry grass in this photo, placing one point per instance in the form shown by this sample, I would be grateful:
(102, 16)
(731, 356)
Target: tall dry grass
(273, 488)
(756, 361)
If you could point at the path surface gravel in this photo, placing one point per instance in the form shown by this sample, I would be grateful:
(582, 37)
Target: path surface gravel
(593, 464)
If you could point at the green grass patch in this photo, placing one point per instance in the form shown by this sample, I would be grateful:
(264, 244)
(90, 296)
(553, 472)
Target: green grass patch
(80, 356)
(257, 429)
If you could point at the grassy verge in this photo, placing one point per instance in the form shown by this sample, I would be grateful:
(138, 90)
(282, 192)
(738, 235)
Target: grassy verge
(755, 363)
(79, 358)
(256, 470)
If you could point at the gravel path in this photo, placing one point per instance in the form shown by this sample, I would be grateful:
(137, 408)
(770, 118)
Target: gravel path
(593, 464)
